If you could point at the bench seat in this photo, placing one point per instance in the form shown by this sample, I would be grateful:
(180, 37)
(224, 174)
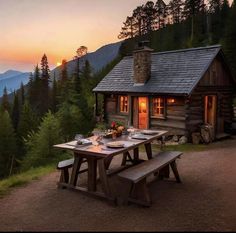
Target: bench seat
(64, 167)
(65, 164)
(137, 174)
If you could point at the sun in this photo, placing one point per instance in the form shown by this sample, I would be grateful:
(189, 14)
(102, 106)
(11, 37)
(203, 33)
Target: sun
(58, 63)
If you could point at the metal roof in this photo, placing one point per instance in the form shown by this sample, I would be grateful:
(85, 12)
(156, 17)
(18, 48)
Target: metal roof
(172, 72)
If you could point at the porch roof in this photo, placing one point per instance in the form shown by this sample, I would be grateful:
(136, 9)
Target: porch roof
(172, 72)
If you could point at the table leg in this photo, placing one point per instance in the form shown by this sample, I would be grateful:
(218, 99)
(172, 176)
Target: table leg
(76, 167)
(103, 177)
(92, 174)
(136, 155)
(108, 162)
(148, 148)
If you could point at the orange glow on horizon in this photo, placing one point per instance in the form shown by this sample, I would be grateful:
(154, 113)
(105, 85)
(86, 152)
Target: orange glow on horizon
(57, 28)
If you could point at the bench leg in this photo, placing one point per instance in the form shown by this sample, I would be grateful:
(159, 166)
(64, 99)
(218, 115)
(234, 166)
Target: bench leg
(64, 177)
(140, 194)
(164, 172)
(175, 171)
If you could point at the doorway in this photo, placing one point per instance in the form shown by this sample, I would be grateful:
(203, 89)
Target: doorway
(140, 112)
(210, 103)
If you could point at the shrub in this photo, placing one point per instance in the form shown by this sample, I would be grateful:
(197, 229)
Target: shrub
(39, 145)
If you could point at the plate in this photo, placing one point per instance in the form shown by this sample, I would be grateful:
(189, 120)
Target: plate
(149, 132)
(116, 144)
(83, 142)
(139, 136)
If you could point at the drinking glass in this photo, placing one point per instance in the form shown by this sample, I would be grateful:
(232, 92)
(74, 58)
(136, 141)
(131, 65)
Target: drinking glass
(78, 137)
(98, 136)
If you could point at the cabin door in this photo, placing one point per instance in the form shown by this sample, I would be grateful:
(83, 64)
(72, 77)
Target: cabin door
(210, 111)
(140, 112)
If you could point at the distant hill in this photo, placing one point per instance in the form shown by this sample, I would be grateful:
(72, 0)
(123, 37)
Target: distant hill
(98, 59)
(12, 80)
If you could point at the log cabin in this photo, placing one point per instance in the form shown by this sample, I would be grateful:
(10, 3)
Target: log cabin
(176, 91)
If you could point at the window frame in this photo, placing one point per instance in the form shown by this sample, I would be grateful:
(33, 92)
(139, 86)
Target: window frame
(159, 116)
(119, 104)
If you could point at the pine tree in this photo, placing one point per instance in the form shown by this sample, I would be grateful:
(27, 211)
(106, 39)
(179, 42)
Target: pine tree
(161, 13)
(149, 16)
(175, 9)
(44, 87)
(7, 145)
(64, 73)
(54, 95)
(5, 105)
(138, 16)
(40, 149)
(28, 121)
(22, 94)
(15, 115)
(192, 9)
(63, 82)
(34, 87)
(127, 31)
(230, 38)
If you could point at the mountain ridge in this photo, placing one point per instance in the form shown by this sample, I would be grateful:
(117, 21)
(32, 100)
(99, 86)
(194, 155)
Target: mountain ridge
(11, 79)
(97, 59)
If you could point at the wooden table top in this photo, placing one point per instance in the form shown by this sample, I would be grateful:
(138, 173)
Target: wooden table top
(103, 151)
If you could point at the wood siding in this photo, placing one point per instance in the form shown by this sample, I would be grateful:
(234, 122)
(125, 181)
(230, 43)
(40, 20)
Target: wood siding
(174, 120)
(111, 112)
(217, 82)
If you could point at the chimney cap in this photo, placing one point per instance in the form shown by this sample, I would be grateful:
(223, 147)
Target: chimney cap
(143, 43)
(143, 46)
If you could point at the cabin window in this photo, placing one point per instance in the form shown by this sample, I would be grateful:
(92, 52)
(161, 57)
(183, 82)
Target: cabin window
(158, 107)
(123, 104)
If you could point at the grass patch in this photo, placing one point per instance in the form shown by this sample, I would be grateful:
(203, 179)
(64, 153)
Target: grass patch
(23, 178)
(184, 148)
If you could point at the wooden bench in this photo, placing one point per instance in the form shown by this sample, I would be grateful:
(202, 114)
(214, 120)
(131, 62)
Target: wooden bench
(64, 166)
(137, 175)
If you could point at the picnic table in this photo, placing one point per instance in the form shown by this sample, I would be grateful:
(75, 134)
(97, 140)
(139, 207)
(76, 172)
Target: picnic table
(100, 156)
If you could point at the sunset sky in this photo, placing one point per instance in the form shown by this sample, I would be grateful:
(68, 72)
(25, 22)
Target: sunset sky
(30, 28)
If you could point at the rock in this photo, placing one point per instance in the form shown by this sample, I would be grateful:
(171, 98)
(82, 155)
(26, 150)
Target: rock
(207, 133)
(196, 138)
(175, 138)
(183, 140)
(171, 143)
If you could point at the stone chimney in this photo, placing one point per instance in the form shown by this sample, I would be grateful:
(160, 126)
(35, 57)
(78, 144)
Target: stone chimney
(142, 63)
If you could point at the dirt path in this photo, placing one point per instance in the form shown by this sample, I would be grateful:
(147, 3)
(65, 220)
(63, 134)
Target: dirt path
(205, 201)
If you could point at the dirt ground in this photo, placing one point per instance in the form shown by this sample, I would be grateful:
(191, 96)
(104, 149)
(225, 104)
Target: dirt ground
(205, 201)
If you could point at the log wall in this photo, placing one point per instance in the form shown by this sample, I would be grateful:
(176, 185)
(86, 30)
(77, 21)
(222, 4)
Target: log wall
(216, 81)
(175, 120)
